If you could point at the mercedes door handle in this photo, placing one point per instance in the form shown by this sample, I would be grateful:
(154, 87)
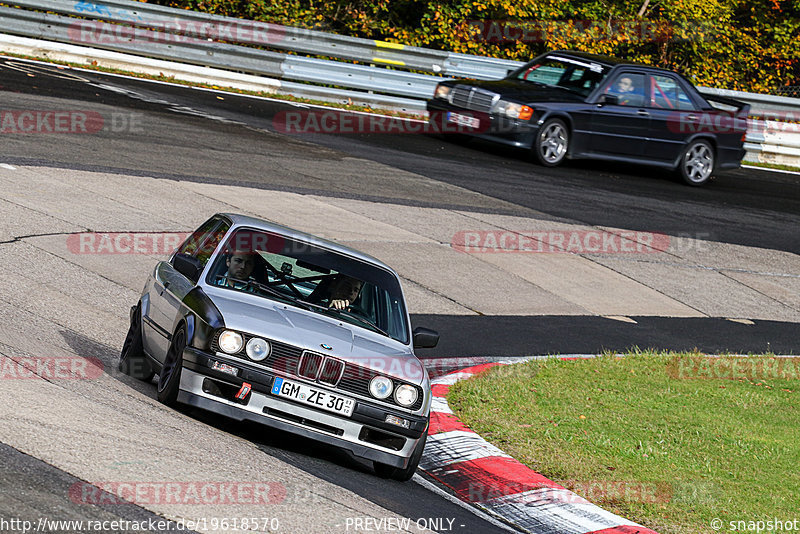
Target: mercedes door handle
(643, 113)
(691, 117)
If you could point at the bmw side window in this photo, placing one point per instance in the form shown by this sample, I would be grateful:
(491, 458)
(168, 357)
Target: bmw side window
(668, 94)
(202, 243)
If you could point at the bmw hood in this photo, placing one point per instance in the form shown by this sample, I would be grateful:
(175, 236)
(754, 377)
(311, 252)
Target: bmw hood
(316, 332)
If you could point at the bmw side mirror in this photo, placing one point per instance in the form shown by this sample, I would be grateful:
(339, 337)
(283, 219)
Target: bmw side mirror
(188, 266)
(425, 338)
(612, 100)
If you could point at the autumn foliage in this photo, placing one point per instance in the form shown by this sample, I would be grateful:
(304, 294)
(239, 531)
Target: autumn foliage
(733, 44)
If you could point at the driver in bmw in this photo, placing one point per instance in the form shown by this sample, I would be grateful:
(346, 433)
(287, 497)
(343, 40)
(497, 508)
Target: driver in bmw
(240, 265)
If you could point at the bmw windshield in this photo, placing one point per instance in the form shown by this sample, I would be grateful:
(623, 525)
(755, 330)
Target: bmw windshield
(310, 277)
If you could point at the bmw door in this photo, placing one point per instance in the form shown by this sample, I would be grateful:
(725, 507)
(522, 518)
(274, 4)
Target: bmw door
(169, 286)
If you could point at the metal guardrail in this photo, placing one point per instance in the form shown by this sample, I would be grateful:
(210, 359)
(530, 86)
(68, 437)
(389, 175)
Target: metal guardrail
(210, 40)
(298, 40)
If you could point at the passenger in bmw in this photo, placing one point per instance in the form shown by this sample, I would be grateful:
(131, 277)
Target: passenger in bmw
(340, 293)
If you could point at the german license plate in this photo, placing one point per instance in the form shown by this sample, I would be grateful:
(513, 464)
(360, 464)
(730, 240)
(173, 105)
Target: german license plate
(464, 120)
(318, 398)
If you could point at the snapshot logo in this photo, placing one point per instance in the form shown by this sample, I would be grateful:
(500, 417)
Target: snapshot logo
(343, 122)
(147, 493)
(613, 30)
(734, 368)
(67, 122)
(559, 241)
(51, 368)
(174, 32)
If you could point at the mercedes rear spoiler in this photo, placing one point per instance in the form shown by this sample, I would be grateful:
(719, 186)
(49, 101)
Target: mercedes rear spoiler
(737, 108)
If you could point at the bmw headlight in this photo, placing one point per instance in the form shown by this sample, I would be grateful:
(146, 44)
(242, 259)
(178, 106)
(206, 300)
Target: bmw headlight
(442, 91)
(380, 387)
(257, 349)
(230, 341)
(405, 395)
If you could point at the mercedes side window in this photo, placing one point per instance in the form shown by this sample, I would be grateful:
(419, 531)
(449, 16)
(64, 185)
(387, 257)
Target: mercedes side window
(668, 94)
(629, 88)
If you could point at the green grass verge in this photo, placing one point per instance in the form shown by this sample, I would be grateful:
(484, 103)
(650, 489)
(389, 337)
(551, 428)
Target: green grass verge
(659, 438)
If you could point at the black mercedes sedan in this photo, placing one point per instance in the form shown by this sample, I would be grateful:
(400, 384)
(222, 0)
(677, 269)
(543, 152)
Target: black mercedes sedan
(567, 104)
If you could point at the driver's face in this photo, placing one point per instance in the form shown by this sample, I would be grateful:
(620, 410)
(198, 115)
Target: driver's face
(625, 85)
(345, 289)
(240, 265)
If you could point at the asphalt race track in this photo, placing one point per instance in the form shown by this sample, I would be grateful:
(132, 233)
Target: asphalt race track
(166, 157)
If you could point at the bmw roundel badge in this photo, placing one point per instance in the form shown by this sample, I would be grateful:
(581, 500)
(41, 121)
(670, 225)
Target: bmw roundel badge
(325, 346)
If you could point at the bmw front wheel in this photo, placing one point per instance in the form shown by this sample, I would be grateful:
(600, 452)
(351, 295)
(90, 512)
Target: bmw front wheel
(132, 360)
(170, 377)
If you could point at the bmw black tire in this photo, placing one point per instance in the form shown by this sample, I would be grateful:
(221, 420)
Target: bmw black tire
(170, 377)
(697, 163)
(552, 143)
(387, 471)
(132, 359)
